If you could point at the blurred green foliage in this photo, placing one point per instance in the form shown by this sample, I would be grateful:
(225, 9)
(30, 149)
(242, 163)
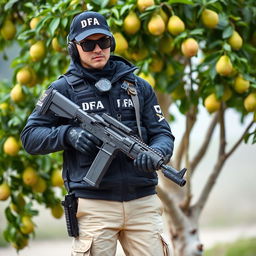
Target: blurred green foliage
(242, 247)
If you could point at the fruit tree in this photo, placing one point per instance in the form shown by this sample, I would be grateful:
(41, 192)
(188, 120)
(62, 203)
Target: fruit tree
(194, 52)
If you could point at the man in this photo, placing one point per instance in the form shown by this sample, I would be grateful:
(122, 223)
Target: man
(125, 206)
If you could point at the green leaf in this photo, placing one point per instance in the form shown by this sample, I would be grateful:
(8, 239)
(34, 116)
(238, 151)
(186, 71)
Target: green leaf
(116, 13)
(10, 217)
(54, 24)
(223, 21)
(212, 72)
(10, 4)
(198, 31)
(97, 2)
(125, 8)
(30, 5)
(227, 32)
(180, 37)
(211, 2)
(104, 3)
(227, 47)
(181, 2)
(64, 22)
(27, 34)
(41, 23)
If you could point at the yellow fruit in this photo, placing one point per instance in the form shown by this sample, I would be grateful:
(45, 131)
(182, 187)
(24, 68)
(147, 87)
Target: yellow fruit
(241, 85)
(24, 76)
(30, 176)
(40, 185)
(131, 23)
(149, 78)
(33, 81)
(37, 51)
(8, 30)
(170, 71)
(56, 178)
(18, 203)
(210, 18)
(17, 94)
(57, 211)
(211, 103)
(140, 54)
(175, 25)
(166, 44)
(11, 146)
(27, 226)
(144, 4)
(121, 43)
(224, 66)
(20, 243)
(33, 22)
(178, 93)
(227, 94)
(74, 2)
(55, 45)
(156, 64)
(156, 25)
(4, 106)
(163, 15)
(112, 2)
(5, 191)
(250, 102)
(235, 41)
(189, 47)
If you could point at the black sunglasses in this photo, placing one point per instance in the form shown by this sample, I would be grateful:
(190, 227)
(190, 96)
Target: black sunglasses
(89, 45)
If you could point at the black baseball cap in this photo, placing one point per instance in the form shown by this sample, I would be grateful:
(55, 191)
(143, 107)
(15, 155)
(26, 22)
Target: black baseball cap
(86, 24)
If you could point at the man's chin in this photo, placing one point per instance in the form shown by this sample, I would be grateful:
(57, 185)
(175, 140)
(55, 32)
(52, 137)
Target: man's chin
(99, 65)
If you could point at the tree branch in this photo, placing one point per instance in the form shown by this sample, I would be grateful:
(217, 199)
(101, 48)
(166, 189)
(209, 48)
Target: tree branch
(222, 146)
(190, 119)
(186, 202)
(198, 206)
(239, 141)
(201, 152)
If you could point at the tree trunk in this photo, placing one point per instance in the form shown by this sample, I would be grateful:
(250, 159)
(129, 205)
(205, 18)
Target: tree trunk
(181, 217)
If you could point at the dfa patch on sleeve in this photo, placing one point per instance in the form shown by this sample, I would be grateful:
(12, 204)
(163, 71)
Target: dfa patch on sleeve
(158, 113)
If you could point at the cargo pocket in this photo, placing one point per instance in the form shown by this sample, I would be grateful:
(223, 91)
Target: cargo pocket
(82, 247)
(165, 246)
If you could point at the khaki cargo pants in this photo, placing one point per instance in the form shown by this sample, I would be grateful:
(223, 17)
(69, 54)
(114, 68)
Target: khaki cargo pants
(137, 224)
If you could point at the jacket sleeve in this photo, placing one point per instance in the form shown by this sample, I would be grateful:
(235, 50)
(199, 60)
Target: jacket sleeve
(158, 129)
(44, 134)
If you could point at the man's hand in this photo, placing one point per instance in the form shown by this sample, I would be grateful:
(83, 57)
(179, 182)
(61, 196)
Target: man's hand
(83, 141)
(144, 163)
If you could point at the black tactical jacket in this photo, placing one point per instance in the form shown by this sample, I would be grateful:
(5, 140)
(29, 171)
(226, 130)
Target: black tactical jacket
(45, 134)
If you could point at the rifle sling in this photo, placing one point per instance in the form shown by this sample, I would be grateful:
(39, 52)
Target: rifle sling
(131, 90)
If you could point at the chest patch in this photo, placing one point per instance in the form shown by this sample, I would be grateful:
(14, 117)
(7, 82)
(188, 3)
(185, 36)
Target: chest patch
(92, 105)
(99, 105)
(124, 103)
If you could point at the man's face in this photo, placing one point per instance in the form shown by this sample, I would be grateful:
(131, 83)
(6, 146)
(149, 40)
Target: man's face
(95, 59)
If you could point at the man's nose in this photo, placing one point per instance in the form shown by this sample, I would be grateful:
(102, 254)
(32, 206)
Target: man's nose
(97, 48)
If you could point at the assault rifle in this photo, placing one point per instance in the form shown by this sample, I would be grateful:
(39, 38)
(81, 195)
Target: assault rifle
(114, 135)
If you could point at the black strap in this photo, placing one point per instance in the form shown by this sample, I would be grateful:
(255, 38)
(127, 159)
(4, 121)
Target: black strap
(131, 90)
(75, 82)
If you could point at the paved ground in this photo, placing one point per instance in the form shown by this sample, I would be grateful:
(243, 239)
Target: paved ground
(62, 247)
